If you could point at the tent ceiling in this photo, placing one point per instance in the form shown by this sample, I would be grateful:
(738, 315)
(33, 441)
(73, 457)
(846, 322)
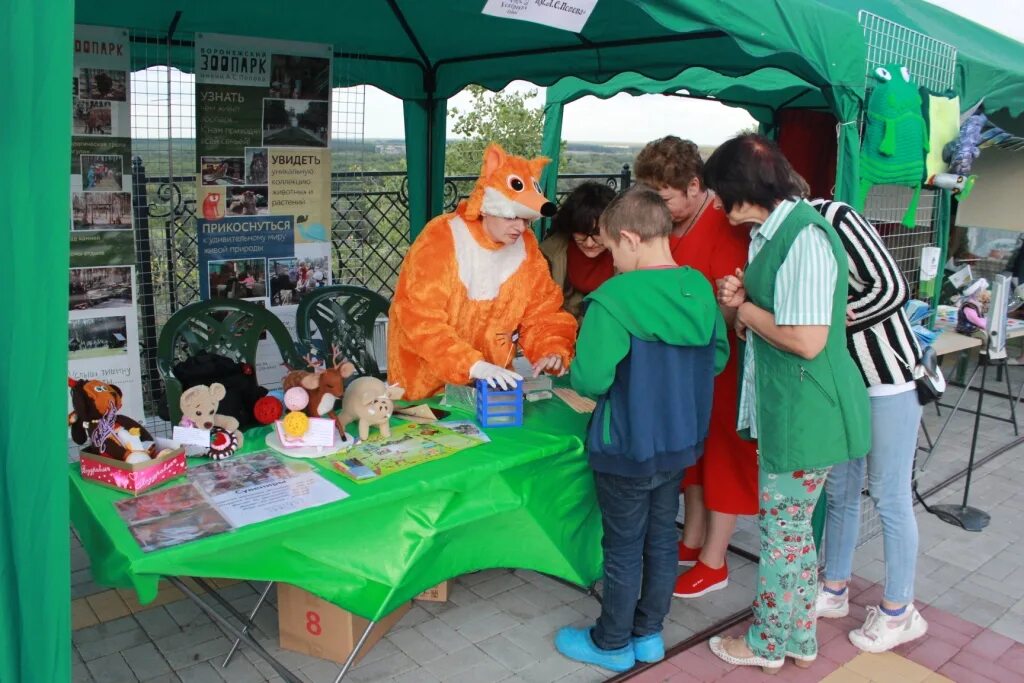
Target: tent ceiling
(413, 48)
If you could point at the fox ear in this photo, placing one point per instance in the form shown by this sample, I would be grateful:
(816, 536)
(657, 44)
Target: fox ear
(494, 157)
(537, 165)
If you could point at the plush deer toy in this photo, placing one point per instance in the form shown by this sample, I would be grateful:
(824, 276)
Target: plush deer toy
(324, 385)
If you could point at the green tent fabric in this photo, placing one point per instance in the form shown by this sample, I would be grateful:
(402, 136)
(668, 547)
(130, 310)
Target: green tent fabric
(990, 65)
(426, 52)
(761, 93)
(35, 134)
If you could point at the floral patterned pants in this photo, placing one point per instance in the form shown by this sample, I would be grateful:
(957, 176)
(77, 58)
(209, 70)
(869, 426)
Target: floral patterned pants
(784, 618)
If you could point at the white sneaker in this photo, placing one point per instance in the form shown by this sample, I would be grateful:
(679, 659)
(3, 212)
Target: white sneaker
(881, 632)
(832, 606)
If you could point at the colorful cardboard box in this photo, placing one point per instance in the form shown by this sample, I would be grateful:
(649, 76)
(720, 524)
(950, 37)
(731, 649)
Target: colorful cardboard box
(133, 478)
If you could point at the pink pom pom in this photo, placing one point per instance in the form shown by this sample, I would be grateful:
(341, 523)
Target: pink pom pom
(296, 398)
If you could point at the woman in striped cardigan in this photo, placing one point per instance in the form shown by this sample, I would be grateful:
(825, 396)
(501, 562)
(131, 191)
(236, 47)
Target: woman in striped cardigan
(884, 347)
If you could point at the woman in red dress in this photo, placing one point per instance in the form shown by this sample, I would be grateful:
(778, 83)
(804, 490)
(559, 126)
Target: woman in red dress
(723, 483)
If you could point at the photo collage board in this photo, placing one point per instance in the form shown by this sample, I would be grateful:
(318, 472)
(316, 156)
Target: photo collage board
(103, 335)
(263, 161)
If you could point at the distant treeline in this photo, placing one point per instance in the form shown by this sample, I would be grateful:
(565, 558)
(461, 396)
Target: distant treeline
(385, 154)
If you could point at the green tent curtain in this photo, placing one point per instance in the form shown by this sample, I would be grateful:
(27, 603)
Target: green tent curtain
(35, 134)
(760, 92)
(425, 126)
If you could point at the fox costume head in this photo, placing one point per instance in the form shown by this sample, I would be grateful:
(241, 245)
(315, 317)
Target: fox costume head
(509, 187)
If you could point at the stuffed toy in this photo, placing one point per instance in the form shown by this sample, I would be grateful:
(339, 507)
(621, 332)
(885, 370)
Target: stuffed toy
(895, 137)
(370, 402)
(95, 419)
(973, 307)
(466, 296)
(199, 409)
(324, 385)
(961, 152)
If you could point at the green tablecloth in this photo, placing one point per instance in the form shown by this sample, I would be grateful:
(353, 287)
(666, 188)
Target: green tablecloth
(526, 500)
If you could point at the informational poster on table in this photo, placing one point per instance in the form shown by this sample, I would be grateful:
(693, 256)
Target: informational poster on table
(103, 335)
(264, 174)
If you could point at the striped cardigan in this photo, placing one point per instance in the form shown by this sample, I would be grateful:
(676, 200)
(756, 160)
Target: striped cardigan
(879, 338)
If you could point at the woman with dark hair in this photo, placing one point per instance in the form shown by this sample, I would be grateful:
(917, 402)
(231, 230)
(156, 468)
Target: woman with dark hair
(573, 248)
(802, 396)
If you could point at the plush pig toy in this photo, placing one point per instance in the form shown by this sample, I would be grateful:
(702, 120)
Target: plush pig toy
(371, 402)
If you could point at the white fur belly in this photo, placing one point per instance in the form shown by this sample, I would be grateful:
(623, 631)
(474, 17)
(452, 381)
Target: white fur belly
(484, 271)
(326, 404)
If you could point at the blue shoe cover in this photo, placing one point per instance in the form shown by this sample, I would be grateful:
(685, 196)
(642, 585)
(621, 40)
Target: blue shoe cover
(649, 649)
(576, 643)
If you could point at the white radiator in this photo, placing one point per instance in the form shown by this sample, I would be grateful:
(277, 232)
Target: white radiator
(380, 343)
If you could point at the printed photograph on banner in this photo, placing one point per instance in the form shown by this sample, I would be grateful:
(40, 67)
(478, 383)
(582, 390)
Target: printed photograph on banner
(97, 337)
(211, 203)
(109, 287)
(96, 145)
(300, 78)
(300, 185)
(93, 117)
(102, 84)
(237, 278)
(295, 122)
(101, 210)
(293, 278)
(246, 200)
(222, 170)
(103, 172)
(255, 165)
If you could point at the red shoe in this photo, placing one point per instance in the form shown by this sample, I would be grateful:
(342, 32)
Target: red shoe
(701, 580)
(688, 556)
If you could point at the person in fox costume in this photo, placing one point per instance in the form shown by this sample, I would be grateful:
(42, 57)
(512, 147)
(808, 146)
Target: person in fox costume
(474, 285)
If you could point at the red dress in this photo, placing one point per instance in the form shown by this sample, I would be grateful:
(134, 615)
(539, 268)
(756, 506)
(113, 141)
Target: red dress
(728, 470)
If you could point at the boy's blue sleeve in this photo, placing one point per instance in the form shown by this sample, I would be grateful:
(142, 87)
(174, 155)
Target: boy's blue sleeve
(602, 344)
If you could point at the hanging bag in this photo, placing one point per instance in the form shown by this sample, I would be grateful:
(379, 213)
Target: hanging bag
(928, 378)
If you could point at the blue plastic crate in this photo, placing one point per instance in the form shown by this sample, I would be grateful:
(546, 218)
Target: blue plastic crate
(499, 408)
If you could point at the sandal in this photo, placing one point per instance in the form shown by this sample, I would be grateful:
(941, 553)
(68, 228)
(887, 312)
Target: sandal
(768, 666)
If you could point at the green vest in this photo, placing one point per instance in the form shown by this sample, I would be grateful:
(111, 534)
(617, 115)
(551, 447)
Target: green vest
(810, 413)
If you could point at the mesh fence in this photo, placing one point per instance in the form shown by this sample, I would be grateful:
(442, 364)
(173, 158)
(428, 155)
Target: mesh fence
(931, 64)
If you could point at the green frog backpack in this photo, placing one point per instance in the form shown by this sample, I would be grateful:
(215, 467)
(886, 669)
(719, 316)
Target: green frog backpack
(895, 137)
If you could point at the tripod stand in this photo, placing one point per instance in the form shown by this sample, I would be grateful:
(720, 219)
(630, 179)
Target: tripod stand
(963, 515)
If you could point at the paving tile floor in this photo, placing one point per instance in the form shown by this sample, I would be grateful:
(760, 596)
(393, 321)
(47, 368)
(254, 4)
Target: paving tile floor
(498, 625)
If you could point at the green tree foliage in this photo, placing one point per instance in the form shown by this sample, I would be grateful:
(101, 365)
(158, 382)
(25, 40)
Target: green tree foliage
(503, 117)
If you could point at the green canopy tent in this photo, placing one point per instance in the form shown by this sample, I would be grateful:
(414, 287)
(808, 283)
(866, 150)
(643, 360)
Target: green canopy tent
(762, 93)
(422, 52)
(989, 66)
(425, 52)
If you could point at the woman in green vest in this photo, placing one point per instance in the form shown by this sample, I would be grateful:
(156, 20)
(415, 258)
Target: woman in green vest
(801, 394)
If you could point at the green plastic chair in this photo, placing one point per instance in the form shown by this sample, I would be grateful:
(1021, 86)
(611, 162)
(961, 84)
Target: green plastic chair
(226, 327)
(344, 316)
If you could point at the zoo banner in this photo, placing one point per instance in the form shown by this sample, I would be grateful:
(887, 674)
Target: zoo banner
(103, 334)
(262, 147)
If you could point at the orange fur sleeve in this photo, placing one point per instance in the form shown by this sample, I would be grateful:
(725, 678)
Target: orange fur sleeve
(547, 328)
(420, 317)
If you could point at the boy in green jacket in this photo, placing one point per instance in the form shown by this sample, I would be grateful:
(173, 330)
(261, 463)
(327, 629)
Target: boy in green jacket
(651, 342)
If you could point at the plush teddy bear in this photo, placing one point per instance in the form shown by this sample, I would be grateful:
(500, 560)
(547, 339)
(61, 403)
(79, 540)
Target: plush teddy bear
(199, 409)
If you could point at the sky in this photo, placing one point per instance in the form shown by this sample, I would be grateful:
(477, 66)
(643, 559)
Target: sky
(624, 118)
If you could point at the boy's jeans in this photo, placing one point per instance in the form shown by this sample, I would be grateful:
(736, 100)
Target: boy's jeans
(640, 554)
(894, 424)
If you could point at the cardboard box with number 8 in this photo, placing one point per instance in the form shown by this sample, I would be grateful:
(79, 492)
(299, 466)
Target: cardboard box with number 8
(315, 627)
